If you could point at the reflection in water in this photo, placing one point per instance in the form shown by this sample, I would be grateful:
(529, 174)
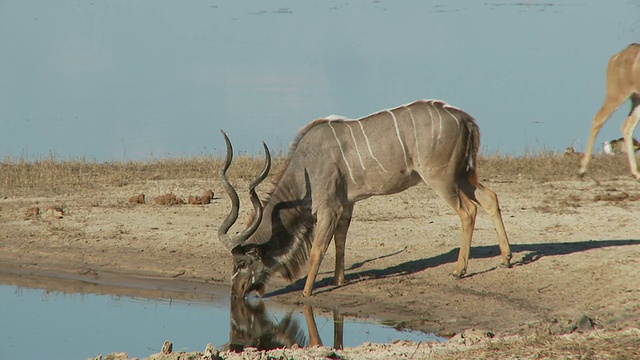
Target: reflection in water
(252, 326)
(108, 319)
(314, 336)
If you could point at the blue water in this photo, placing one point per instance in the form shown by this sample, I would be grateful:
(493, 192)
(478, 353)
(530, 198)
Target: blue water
(130, 80)
(35, 324)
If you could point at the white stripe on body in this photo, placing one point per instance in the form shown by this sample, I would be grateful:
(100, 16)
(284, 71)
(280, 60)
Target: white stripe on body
(415, 137)
(435, 135)
(404, 151)
(440, 127)
(366, 138)
(342, 152)
(355, 143)
(446, 107)
(433, 128)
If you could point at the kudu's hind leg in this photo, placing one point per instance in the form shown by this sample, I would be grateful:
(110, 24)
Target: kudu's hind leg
(488, 200)
(467, 211)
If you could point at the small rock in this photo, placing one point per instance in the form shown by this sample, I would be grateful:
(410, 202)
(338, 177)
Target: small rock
(54, 212)
(206, 197)
(169, 199)
(446, 333)
(471, 337)
(201, 200)
(137, 199)
(585, 324)
(167, 347)
(32, 213)
(211, 353)
(116, 356)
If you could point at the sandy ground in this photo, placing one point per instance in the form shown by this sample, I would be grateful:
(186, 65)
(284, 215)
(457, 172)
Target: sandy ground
(575, 244)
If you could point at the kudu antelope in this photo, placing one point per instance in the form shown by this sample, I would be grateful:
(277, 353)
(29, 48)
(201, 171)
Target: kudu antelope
(622, 83)
(335, 162)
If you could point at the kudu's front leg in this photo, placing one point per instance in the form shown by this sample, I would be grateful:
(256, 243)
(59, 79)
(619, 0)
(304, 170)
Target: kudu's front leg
(340, 239)
(610, 105)
(325, 228)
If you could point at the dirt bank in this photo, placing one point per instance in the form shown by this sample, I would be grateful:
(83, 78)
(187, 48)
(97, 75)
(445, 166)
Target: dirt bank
(575, 244)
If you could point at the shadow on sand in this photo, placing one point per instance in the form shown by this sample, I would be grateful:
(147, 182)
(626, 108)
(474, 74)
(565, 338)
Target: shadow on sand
(533, 252)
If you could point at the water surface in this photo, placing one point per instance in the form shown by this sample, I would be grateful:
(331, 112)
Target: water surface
(123, 80)
(55, 325)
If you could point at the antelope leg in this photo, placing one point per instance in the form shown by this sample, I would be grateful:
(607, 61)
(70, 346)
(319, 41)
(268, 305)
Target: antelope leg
(324, 232)
(599, 119)
(628, 126)
(467, 211)
(488, 200)
(340, 239)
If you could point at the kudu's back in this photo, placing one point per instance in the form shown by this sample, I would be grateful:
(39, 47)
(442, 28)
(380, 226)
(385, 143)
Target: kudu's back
(391, 150)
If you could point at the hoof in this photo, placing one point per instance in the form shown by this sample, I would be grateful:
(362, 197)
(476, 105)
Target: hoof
(507, 264)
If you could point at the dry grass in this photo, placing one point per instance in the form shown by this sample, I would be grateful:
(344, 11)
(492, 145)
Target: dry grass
(50, 175)
(53, 176)
(617, 344)
(549, 166)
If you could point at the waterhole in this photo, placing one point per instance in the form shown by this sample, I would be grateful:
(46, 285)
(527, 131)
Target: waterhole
(57, 324)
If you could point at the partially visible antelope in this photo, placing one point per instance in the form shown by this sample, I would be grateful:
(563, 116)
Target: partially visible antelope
(622, 83)
(335, 162)
(617, 146)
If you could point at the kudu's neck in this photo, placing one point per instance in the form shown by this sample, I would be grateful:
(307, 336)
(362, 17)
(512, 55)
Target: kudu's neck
(285, 232)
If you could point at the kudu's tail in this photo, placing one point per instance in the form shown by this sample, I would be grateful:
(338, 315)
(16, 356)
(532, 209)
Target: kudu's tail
(473, 144)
